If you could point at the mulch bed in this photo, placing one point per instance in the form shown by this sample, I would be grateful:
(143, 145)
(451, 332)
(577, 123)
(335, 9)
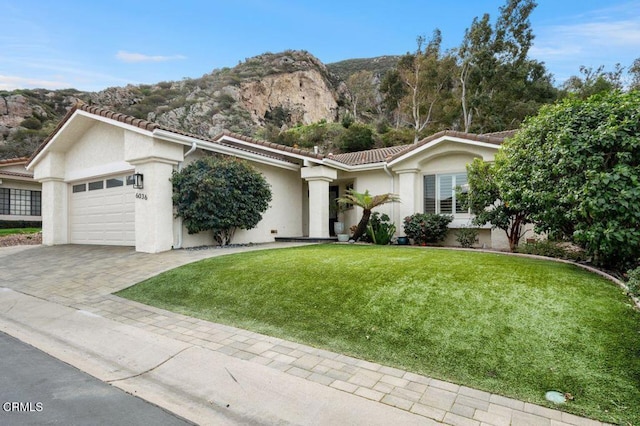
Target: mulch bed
(21, 239)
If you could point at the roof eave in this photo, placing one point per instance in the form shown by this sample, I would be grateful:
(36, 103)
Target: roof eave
(444, 138)
(221, 149)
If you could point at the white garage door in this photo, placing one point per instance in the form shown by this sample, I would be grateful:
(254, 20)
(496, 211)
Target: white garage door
(102, 211)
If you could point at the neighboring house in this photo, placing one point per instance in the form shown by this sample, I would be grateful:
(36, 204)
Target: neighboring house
(87, 169)
(20, 194)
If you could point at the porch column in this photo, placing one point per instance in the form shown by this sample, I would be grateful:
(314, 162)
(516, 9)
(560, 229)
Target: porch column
(154, 207)
(407, 190)
(319, 178)
(54, 212)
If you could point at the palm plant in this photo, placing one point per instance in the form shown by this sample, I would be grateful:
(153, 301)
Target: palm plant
(367, 202)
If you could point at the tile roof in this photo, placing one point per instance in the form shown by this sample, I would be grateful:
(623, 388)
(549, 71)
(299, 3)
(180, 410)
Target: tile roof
(352, 159)
(16, 174)
(150, 126)
(272, 145)
(494, 140)
(503, 134)
(14, 161)
(370, 156)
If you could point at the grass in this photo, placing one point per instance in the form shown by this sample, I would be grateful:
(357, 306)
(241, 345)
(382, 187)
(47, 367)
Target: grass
(12, 231)
(509, 325)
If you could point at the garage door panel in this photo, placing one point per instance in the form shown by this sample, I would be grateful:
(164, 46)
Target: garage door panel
(103, 216)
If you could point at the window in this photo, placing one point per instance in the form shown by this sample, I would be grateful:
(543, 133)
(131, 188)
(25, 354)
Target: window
(79, 188)
(115, 182)
(20, 202)
(96, 185)
(36, 203)
(440, 193)
(5, 201)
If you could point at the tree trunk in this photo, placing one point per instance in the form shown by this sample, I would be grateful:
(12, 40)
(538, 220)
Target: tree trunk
(515, 234)
(362, 225)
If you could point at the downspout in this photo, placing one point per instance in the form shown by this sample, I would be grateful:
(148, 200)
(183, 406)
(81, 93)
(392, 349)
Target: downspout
(180, 231)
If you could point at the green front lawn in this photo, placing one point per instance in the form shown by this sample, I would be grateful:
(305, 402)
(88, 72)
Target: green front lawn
(12, 231)
(510, 325)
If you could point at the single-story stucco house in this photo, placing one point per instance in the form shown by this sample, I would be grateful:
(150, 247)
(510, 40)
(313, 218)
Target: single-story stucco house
(88, 169)
(20, 195)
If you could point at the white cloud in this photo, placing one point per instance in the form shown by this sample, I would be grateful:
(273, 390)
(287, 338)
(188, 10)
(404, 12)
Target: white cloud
(140, 57)
(9, 82)
(599, 37)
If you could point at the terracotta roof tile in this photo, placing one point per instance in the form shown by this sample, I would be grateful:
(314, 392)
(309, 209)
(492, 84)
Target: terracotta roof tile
(503, 134)
(270, 145)
(494, 140)
(14, 161)
(18, 174)
(370, 156)
(352, 159)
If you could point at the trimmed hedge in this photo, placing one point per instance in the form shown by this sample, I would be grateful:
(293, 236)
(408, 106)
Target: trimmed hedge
(8, 224)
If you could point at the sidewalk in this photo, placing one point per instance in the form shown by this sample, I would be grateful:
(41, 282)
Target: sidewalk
(215, 374)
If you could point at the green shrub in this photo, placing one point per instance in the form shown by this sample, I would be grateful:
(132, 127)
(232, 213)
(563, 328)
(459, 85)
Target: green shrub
(554, 249)
(31, 123)
(634, 281)
(426, 228)
(220, 194)
(357, 137)
(379, 229)
(467, 237)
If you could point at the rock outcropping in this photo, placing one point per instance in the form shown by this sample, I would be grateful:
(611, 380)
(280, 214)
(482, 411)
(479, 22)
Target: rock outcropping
(281, 90)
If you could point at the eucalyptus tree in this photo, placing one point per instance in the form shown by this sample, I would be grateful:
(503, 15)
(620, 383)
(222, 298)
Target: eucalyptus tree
(427, 75)
(498, 84)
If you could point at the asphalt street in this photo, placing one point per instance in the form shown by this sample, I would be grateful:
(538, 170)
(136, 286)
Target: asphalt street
(37, 389)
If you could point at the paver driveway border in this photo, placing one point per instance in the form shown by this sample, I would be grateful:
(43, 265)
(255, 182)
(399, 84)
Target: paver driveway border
(84, 278)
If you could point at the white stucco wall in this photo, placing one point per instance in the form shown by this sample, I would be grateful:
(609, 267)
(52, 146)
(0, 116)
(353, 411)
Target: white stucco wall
(97, 152)
(408, 174)
(376, 182)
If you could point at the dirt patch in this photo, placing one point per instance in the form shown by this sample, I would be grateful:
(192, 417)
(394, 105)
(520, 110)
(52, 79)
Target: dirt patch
(21, 240)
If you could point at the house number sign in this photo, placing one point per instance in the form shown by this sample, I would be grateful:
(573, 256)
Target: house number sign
(141, 196)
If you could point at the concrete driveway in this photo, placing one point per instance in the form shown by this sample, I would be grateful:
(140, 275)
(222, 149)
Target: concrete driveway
(60, 300)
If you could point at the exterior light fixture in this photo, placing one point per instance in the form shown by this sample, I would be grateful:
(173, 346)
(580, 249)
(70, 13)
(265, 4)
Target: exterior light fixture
(138, 181)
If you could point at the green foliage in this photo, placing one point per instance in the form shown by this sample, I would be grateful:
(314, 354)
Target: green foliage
(220, 194)
(377, 66)
(225, 101)
(31, 123)
(467, 237)
(633, 281)
(367, 202)
(551, 249)
(320, 133)
(380, 230)
(594, 81)
(12, 231)
(401, 136)
(499, 84)
(426, 228)
(484, 199)
(358, 137)
(347, 120)
(575, 167)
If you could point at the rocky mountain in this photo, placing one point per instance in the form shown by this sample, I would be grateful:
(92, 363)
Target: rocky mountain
(280, 90)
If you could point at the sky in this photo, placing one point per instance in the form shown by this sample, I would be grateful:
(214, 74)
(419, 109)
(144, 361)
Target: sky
(92, 45)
